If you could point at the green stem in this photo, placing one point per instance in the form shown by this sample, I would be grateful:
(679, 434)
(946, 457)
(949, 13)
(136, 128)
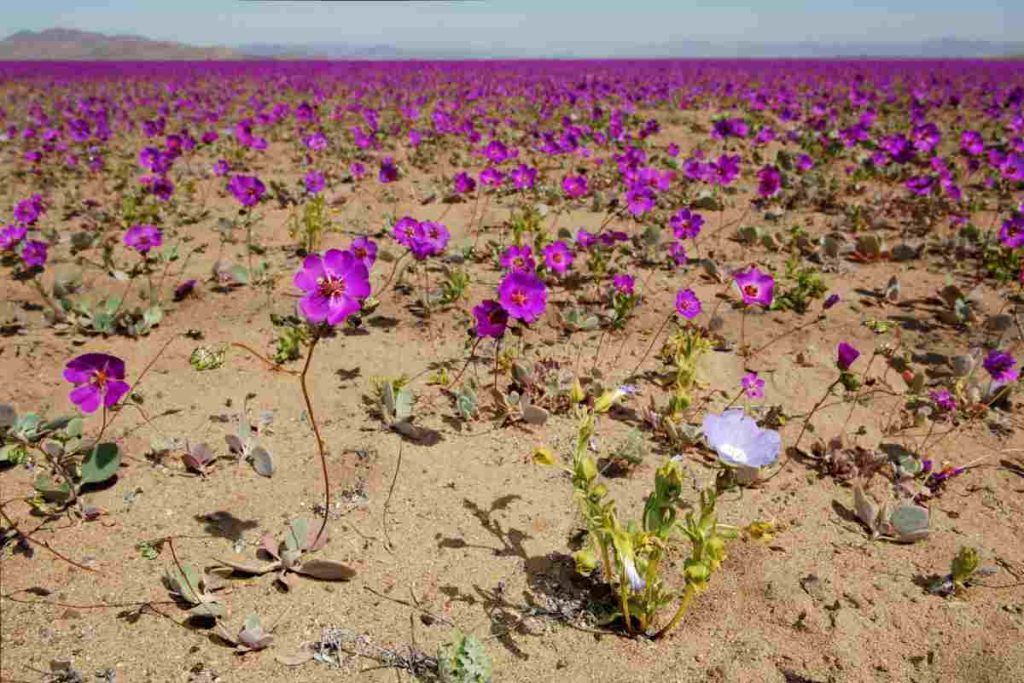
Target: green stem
(684, 603)
(316, 433)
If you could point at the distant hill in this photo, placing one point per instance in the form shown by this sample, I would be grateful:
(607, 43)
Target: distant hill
(59, 44)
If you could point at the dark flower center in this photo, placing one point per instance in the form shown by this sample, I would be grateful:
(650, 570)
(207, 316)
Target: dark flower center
(330, 287)
(518, 297)
(751, 291)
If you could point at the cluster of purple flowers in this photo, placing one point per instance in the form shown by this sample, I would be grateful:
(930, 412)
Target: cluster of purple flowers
(423, 238)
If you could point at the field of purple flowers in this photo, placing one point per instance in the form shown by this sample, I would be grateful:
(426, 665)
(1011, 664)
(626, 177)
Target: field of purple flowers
(512, 371)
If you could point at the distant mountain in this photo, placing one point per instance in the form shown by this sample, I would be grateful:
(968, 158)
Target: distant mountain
(56, 44)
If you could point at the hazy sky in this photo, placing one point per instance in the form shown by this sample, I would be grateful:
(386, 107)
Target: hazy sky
(525, 23)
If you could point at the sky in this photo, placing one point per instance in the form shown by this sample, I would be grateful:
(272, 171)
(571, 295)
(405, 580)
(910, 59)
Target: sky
(529, 24)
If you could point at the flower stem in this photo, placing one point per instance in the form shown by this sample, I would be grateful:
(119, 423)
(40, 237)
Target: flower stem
(316, 433)
(58, 312)
(654, 340)
(684, 603)
(472, 354)
(624, 601)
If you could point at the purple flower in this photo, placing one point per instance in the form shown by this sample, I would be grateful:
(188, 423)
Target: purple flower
(364, 249)
(686, 224)
(491, 319)
(1001, 366)
(33, 253)
(846, 354)
(496, 151)
(725, 169)
(756, 287)
(943, 400)
(28, 211)
(335, 285)
(769, 181)
(585, 239)
(492, 177)
(357, 169)
(11, 236)
(558, 257)
(429, 239)
(518, 258)
(523, 295)
(972, 143)
(1011, 233)
(623, 283)
(388, 170)
(639, 200)
(804, 162)
(524, 177)
(921, 185)
(687, 304)
(98, 377)
(464, 182)
(677, 252)
(221, 168)
(314, 182)
(248, 189)
(753, 385)
(739, 442)
(831, 301)
(574, 186)
(184, 289)
(142, 238)
(404, 231)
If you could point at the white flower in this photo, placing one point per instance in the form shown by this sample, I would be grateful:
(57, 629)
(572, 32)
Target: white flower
(738, 440)
(636, 582)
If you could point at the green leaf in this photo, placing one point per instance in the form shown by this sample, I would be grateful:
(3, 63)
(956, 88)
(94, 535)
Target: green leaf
(50, 490)
(403, 405)
(73, 430)
(101, 463)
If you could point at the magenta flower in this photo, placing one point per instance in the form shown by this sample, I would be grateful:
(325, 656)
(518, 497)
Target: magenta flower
(429, 239)
(623, 283)
(404, 231)
(98, 378)
(972, 143)
(558, 257)
(769, 181)
(756, 287)
(943, 400)
(518, 258)
(524, 177)
(248, 189)
(1011, 233)
(687, 304)
(314, 182)
(725, 169)
(585, 239)
(388, 170)
(464, 182)
(357, 169)
(28, 211)
(492, 177)
(364, 249)
(686, 224)
(33, 253)
(677, 252)
(846, 354)
(1001, 366)
(142, 238)
(575, 186)
(523, 295)
(335, 286)
(221, 168)
(753, 386)
(491, 319)
(804, 162)
(11, 236)
(184, 289)
(831, 301)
